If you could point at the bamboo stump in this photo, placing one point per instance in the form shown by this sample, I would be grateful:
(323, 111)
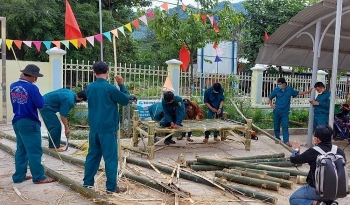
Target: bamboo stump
(248, 134)
(223, 132)
(135, 134)
(150, 147)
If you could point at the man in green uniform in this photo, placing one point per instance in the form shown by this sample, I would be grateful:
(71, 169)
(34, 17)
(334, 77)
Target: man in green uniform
(281, 107)
(321, 105)
(214, 100)
(103, 99)
(61, 101)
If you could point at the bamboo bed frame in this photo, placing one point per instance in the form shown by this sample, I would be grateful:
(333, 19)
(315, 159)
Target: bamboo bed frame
(188, 126)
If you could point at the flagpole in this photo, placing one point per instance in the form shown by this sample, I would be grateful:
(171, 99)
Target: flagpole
(100, 11)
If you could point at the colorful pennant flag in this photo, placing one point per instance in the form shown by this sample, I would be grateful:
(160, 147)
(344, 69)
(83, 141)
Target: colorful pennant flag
(215, 45)
(9, 43)
(108, 35)
(82, 41)
(57, 43)
(74, 42)
(204, 18)
(121, 29)
(115, 32)
(217, 59)
(266, 37)
(165, 6)
(91, 40)
(72, 30)
(65, 43)
(128, 26)
(136, 23)
(47, 44)
(18, 43)
(184, 58)
(197, 16)
(98, 37)
(28, 43)
(150, 14)
(211, 18)
(184, 7)
(144, 19)
(216, 28)
(168, 85)
(37, 45)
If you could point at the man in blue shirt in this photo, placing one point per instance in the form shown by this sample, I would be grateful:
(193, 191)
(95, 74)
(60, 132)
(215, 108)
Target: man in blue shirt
(214, 100)
(321, 105)
(283, 94)
(62, 101)
(103, 99)
(26, 100)
(156, 111)
(174, 113)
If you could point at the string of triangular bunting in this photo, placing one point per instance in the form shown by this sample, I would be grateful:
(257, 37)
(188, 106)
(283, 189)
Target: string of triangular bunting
(99, 37)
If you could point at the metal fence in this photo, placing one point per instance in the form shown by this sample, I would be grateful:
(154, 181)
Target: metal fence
(146, 82)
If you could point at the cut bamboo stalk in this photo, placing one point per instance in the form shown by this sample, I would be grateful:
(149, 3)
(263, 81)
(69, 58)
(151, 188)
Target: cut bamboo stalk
(142, 132)
(206, 167)
(284, 183)
(145, 181)
(266, 156)
(168, 170)
(246, 192)
(267, 160)
(233, 163)
(65, 180)
(135, 134)
(135, 150)
(248, 135)
(249, 181)
(150, 146)
(280, 164)
(281, 175)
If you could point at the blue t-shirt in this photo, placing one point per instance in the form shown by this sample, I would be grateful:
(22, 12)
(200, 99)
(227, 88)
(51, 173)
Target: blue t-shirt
(175, 109)
(283, 97)
(214, 99)
(26, 100)
(61, 101)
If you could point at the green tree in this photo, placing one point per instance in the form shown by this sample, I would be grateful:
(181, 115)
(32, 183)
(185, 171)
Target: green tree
(266, 15)
(174, 31)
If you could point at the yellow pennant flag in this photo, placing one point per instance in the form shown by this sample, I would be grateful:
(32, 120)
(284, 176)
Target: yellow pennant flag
(74, 42)
(9, 43)
(128, 26)
(197, 16)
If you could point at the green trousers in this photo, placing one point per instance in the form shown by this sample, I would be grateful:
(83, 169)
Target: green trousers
(53, 125)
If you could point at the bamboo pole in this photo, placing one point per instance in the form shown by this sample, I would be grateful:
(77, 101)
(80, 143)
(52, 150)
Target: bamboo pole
(280, 164)
(55, 154)
(150, 146)
(135, 133)
(281, 175)
(232, 163)
(246, 192)
(266, 156)
(135, 150)
(223, 132)
(65, 180)
(248, 134)
(249, 181)
(206, 168)
(266, 160)
(145, 181)
(168, 170)
(284, 183)
(260, 130)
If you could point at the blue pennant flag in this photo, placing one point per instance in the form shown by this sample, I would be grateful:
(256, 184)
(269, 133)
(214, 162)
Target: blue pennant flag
(217, 59)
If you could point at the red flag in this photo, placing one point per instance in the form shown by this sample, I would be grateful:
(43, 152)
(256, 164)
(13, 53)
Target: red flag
(71, 26)
(266, 37)
(184, 58)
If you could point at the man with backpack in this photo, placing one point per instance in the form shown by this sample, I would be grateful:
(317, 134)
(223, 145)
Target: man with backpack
(327, 178)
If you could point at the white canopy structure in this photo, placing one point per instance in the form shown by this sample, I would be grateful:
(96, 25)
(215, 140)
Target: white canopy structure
(317, 37)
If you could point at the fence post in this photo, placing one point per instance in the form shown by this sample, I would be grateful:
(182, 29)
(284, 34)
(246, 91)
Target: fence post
(256, 85)
(321, 76)
(174, 74)
(56, 64)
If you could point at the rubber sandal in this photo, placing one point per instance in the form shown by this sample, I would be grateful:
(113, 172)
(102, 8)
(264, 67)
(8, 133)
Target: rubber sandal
(58, 149)
(28, 178)
(45, 181)
(189, 139)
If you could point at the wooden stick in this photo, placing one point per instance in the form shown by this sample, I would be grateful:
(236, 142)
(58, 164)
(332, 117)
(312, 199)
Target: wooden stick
(161, 140)
(19, 194)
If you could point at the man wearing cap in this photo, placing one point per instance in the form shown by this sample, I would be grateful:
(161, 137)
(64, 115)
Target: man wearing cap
(103, 99)
(214, 100)
(307, 193)
(26, 100)
(281, 107)
(62, 101)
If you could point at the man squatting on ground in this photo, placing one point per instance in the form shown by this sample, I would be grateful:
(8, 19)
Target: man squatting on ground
(62, 101)
(214, 100)
(174, 113)
(103, 99)
(306, 195)
(283, 94)
(26, 100)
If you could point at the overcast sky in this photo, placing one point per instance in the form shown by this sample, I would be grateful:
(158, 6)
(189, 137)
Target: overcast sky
(172, 3)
